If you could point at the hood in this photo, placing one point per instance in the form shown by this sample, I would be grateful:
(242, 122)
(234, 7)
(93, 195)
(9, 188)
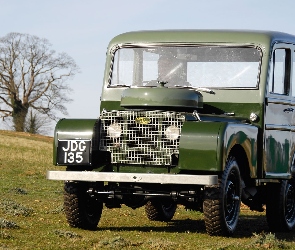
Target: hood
(161, 98)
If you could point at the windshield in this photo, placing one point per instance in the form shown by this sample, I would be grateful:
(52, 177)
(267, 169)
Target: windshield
(203, 66)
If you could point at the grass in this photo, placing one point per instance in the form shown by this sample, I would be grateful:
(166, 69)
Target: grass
(31, 213)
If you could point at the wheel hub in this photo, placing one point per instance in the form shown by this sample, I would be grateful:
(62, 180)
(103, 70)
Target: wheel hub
(231, 201)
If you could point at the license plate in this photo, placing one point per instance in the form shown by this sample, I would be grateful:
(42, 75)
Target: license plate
(73, 152)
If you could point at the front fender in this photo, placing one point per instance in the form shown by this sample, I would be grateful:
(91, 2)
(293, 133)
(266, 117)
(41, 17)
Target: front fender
(246, 136)
(201, 146)
(205, 146)
(76, 129)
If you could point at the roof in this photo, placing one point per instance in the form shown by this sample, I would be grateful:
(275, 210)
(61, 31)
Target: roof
(203, 36)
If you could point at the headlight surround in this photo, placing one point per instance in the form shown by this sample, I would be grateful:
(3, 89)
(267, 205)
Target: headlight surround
(114, 130)
(172, 133)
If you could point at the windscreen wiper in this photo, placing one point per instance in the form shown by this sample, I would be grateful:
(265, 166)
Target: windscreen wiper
(206, 90)
(120, 86)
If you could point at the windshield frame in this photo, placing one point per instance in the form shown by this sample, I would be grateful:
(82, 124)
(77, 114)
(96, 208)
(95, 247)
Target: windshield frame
(115, 48)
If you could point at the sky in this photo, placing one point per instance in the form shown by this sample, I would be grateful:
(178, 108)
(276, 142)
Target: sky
(83, 29)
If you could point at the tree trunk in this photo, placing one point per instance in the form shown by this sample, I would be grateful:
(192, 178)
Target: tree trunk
(19, 114)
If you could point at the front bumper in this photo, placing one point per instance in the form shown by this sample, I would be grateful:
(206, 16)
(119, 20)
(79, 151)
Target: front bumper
(133, 177)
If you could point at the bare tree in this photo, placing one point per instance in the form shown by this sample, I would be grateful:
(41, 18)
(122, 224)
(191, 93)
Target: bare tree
(32, 75)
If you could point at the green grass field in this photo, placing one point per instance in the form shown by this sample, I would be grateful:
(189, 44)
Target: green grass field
(31, 213)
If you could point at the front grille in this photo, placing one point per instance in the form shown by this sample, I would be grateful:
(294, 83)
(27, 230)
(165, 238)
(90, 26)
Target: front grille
(139, 143)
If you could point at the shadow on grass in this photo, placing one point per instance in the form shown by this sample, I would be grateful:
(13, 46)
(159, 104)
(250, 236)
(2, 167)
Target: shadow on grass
(247, 226)
(180, 226)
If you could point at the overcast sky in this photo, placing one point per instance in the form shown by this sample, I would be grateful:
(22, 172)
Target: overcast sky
(83, 28)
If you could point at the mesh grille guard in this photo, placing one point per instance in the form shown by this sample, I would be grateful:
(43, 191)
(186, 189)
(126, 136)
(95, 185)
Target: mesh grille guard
(143, 139)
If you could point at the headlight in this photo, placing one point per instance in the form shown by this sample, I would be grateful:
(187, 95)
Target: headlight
(172, 133)
(114, 130)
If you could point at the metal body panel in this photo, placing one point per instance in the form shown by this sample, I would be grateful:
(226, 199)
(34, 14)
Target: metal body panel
(161, 98)
(205, 146)
(75, 129)
(278, 138)
(201, 36)
(201, 146)
(247, 137)
(238, 110)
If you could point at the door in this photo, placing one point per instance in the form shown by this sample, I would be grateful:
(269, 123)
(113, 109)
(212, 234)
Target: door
(279, 113)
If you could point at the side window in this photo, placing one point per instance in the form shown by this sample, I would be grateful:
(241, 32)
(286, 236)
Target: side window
(281, 62)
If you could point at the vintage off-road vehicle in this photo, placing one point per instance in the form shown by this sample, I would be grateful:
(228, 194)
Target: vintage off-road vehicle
(193, 117)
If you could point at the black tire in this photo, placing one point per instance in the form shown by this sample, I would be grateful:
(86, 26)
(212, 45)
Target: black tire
(222, 202)
(280, 206)
(160, 210)
(81, 210)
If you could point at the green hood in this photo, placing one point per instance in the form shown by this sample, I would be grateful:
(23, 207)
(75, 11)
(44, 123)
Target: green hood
(161, 98)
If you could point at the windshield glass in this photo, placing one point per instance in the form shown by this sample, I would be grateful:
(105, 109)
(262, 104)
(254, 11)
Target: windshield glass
(214, 67)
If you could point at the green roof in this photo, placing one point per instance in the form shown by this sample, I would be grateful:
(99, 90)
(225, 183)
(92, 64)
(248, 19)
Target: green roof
(265, 38)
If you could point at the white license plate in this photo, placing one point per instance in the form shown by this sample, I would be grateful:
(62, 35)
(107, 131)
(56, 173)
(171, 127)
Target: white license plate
(73, 152)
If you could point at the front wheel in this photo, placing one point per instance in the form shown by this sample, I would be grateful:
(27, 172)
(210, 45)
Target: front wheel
(280, 206)
(160, 210)
(82, 210)
(221, 204)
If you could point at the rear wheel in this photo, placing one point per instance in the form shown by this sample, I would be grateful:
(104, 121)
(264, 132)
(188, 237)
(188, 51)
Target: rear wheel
(221, 205)
(82, 210)
(280, 206)
(160, 210)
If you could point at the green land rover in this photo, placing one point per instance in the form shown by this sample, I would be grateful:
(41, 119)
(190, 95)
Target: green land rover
(200, 118)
